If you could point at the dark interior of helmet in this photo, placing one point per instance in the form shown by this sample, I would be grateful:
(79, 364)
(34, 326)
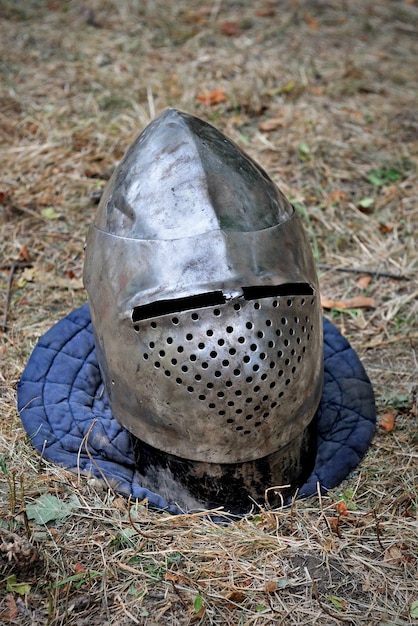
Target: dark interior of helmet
(165, 307)
(269, 291)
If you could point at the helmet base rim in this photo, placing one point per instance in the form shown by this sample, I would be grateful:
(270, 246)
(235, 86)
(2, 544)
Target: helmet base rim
(236, 487)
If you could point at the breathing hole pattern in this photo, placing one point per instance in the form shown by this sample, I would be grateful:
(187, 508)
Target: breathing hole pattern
(231, 358)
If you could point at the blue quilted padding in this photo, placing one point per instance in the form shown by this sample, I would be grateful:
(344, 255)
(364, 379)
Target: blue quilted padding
(67, 416)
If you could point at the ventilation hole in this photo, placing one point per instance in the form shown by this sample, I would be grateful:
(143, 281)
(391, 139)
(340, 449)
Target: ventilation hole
(286, 342)
(248, 400)
(246, 359)
(230, 403)
(136, 328)
(263, 376)
(265, 398)
(225, 362)
(256, 368)
(249, 417)
(278, 332)
(161, 353)
(238, 392)
(205, 365)
(201, 346)
(175, 320)
(210, 385)
(189, 336)
(220, 394)
(293, 369)
(289, 302)
(192, 357)
(222, 412)
(232, 351)
(237, 372)
(179, 381)
(303, 328)
(212, 405)
(202, 397)
(293, 352)
(271, 344)
(257, 408)
(216, 312)
(237, 306)
(284, 321)
(298, 340)
(194, 316)
(229, 329)
(180, 349)
(239, 428)
(256, 388)
(249, 325)
(312, 301)
(169, 340)
(218, 374)
(153, 324)
(256, 306)
(228, 383)
(173, 361)
(184, 368)
(157, 364)
(280, 354)
(296, 319)
(238, 411)
(304, 349)
(151, 344)
(287, 381)
(302, 302)
(280, 373)
(213, 354)
(272, 385)
(167, 373)
(281, 394)
(253, 347)
(268, 322)
(299, 358)
(198, 377)
(241, 339)
(209, 333)
(291, 331)
(247, 432)
(262, 355)
(249, 379)
(275, 303)
(229, 420)
(145, 356)
(266, 414)
(272, 365)
(257, 424)
(286, 361)
(221, 342)
(113, 382)
(273, 405)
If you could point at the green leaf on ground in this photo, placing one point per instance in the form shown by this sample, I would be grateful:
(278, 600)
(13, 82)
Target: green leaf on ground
(48, 508)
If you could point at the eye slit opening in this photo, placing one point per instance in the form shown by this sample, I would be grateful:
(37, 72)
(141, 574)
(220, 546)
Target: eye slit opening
(270, 291)
(177, 305)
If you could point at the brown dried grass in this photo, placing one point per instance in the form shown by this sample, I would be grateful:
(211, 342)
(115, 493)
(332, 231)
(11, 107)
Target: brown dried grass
(79, 80)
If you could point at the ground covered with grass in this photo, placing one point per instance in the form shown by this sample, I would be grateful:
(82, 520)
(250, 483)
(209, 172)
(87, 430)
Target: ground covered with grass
(324, 96)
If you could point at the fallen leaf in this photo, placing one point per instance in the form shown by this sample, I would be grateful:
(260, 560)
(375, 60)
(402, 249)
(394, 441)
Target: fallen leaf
(312, 22)
(267, 12)
(341, 508)
(235, 596)
(271, 124)
(388, 422)
(349, 303)
(48, 508)
(231, 29)
(334, 524)
(270, 587)
(413, 611)
(364, 281)
(339, 603)
(11, 605)
(336, 195)
(15, 587)
(78, 569)
(49, 213)
(212, 97)
(24, 254)
(385, 228)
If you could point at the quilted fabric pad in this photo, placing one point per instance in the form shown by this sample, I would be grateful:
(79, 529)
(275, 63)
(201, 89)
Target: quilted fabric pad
(66, 414)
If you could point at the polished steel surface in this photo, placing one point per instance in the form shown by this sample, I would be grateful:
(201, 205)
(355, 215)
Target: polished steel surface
(204, 299)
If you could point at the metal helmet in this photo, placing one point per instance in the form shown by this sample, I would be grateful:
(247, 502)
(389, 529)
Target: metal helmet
(206, 314)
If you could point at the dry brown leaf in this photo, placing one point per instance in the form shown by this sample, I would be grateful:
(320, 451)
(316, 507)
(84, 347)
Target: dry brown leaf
(231, 29)
(270, 586)
(312, 22)
(341, 508)
(364, 281)
(271, 124)
(388, 421)
(12, 608)
(349, 303)
(235, 596)
(212, 97)
(267, 12)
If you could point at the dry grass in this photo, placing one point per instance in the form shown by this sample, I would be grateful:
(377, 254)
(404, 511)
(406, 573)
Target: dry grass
(79, 80)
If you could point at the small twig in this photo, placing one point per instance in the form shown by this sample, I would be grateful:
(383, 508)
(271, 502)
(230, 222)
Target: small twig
(12, 267)
(378, 535)
(324, 608)
(361, 270)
